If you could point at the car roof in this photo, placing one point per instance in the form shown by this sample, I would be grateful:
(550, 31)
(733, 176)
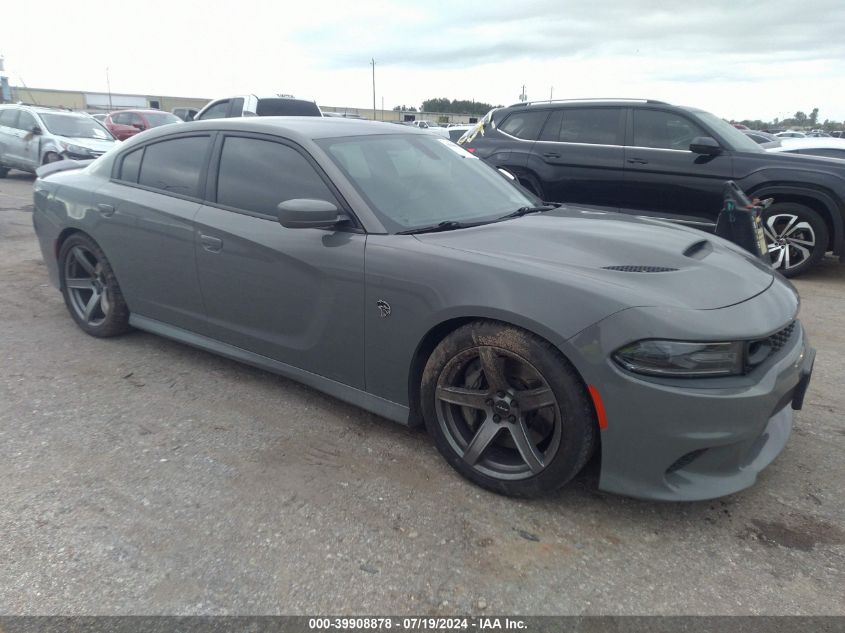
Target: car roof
(42, 109)
(297, 128)
(566, 103)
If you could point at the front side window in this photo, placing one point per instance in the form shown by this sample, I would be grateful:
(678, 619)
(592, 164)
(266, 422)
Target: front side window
(218, 111)
(175, 165)
(162, 118)
(664, 130)
(414, 180)
(525, 125)
(257, 175)
(26, 121)
(600, 126)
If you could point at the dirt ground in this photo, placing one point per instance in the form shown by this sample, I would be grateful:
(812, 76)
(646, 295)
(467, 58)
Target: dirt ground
(141, 476)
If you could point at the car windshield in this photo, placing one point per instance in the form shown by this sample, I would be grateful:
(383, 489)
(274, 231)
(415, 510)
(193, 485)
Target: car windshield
(412, 181)
(161, 118)
(737, 140)
(74, 125)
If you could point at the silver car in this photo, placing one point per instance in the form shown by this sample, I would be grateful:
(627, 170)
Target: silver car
(31, 136)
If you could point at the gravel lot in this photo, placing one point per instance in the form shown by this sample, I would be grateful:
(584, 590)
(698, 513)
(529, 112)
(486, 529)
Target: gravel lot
(141, 476)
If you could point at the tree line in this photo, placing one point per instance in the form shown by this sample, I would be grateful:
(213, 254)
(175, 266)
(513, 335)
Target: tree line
(799, 119)
(456, 106)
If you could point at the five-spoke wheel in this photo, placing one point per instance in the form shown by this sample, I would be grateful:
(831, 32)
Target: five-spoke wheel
(90, 288)
(506, 409)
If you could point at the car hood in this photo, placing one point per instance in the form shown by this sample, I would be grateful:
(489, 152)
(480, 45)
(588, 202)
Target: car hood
(96, 144)
(655, 263)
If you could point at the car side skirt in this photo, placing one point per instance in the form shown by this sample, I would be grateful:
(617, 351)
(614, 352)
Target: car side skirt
(385, 408)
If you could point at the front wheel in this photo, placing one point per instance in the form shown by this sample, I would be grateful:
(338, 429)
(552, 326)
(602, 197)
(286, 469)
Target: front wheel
(506, 409)
(796, 236)
(90, 289)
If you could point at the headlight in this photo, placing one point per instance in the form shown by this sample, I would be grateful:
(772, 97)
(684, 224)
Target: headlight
(76, 149)
(682, 358)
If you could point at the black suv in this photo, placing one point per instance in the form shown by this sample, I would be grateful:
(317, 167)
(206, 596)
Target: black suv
(655, 159)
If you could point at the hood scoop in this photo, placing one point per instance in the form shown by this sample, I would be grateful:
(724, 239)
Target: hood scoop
(640, 269)
(699, 249)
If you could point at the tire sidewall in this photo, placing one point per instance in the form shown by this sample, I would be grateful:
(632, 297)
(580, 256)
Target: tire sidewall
(117, 321)
(578, 430)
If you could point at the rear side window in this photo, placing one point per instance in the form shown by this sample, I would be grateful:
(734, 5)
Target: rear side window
(664, 130)
(600, 126)
(257, 175)
(131, 166)
(8, 117)
(175, 166)
(525, 125)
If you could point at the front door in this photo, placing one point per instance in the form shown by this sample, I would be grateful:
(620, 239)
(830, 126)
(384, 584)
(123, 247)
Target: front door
(663, 178)
(293, 295)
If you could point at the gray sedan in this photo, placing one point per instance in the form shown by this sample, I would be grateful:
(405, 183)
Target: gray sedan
(394, 270)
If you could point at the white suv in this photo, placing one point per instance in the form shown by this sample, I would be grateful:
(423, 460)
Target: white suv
(31, 136)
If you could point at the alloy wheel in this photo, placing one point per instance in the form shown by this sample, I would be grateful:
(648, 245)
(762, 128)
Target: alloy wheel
(790, 240)
(87, 287)
(498, 413)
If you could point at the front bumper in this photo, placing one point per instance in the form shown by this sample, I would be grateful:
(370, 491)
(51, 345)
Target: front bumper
(693, 439)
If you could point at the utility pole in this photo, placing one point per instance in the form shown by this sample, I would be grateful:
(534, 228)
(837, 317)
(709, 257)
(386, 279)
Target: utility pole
(108, 87)
(523, 97)
(382, 108)
(373, 63)
(551, 94)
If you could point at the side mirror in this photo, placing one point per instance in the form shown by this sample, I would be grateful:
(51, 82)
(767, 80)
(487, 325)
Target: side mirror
(138, 126)
(35, 130)
(307, 213)
(706, 145)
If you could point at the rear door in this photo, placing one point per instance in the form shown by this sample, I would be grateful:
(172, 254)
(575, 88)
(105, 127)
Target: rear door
(663, 178)
(293, 295)
(579, 156)
(8, 134)
(146, 216)
(29, 147)
(509, 146)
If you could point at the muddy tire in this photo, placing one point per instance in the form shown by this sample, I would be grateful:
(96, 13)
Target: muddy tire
(507, 410)
(90, 289)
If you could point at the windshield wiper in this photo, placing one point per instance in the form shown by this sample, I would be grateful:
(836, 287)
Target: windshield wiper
(447, 225)
(526, 210)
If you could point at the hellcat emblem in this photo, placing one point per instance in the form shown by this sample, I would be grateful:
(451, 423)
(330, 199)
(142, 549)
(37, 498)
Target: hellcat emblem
(383, 308)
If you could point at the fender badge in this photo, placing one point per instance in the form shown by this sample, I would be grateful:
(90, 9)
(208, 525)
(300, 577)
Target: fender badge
(383, 308)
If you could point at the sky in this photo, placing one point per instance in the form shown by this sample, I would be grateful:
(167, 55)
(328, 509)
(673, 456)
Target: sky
(740, 59)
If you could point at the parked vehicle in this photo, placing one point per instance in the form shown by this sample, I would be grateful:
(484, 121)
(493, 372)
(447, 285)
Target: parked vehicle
(432, 127)
(100, 117)
(31, 136)
(763, 139)
(791, 134)
(817, 134)
(819, 146)
(186, 114)
(656, 159)
(681, 361)
(125, 123)
(457, 131)
(344, 115)
(252, 105)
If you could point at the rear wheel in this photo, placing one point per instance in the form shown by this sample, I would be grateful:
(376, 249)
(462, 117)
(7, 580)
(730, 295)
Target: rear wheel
(506, 409)
(90, 289)
(796, 236)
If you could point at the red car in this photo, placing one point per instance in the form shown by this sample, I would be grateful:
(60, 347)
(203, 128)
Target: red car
(125, 123)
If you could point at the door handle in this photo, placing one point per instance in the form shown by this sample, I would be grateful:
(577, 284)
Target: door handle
(638, 161)
(106, 210)
(211, 244)
(551, 155)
